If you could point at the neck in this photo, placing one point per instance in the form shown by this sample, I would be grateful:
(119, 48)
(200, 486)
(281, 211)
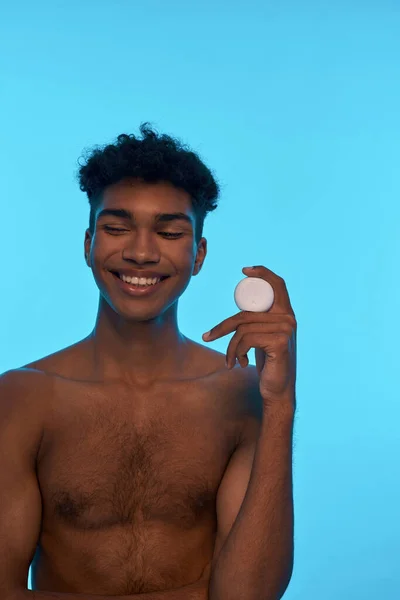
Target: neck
(141, 351)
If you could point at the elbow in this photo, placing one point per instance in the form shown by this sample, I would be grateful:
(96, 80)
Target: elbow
(283, 587)
(280, 586)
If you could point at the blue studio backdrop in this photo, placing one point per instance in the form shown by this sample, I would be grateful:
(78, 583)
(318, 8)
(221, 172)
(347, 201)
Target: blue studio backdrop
(295, 107)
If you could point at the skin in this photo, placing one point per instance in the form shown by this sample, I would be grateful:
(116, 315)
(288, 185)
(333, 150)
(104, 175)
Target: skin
(133, 426)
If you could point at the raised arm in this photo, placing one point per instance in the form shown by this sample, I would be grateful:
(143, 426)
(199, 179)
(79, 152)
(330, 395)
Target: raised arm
(253, 556)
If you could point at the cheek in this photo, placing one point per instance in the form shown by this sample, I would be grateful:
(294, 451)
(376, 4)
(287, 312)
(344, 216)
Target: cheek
(186, 264)
(188, 252)
(99, 271)
(99, 259)
(103, 249)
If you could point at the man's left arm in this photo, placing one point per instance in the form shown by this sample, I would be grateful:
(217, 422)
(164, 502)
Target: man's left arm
(253, 557)
(254, 552)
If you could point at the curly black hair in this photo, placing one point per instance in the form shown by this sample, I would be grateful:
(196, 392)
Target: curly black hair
(153, 158)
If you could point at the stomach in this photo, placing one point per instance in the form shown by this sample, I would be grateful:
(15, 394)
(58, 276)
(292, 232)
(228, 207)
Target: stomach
(122, 561)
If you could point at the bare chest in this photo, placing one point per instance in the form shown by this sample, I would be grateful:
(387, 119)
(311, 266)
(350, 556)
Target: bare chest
(141, 459)
(137, 475)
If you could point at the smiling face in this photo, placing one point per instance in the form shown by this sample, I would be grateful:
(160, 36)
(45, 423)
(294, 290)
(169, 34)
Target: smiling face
(143, 226)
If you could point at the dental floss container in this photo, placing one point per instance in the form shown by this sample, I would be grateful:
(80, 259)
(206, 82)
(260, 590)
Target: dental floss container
(254, 294)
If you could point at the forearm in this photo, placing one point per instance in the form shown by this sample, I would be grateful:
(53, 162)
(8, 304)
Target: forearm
(256, 560)
(195, 591)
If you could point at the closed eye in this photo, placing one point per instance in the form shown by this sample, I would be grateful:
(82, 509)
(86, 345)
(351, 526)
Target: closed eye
(119, 230)
(108, 228)
(171, 235)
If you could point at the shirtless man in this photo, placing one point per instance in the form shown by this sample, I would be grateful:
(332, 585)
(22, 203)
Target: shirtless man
(125, 458)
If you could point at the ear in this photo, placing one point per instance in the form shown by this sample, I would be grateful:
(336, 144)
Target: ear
(200, 256)
(87, 245)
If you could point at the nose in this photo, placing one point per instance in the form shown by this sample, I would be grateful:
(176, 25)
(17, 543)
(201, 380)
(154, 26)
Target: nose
(141, 247)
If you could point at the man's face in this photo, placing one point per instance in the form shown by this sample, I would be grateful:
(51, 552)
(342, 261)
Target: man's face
(141, 237)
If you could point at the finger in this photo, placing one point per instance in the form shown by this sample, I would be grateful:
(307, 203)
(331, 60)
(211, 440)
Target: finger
(270, 343)
(274, 345)
(245, 344)
(282, 302)
(252, 331)
(223, 328)
(245, 318)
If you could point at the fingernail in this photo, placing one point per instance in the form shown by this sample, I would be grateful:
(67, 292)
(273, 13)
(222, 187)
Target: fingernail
(206, 334)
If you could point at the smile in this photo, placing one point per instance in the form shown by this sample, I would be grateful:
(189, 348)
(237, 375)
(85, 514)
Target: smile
(138, 287)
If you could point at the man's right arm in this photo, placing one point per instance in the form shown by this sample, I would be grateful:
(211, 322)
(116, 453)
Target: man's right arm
(20, 499)
(21, 428)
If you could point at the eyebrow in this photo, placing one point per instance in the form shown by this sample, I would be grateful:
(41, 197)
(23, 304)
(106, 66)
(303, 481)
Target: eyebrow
(122, 213)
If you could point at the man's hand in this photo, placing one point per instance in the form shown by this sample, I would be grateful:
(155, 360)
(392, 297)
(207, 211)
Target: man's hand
(272, 334)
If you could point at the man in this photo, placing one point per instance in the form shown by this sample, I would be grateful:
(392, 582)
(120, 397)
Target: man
(136, 463)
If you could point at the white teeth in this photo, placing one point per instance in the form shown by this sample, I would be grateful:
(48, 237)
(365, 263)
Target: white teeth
(141, 281)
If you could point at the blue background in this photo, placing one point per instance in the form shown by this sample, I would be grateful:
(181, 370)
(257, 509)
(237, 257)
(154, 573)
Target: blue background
(296, 108)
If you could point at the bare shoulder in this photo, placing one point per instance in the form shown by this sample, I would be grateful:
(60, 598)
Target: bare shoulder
(22, 407)
(241, 386)
(23, 379)
(240, 383)
(19, 386)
